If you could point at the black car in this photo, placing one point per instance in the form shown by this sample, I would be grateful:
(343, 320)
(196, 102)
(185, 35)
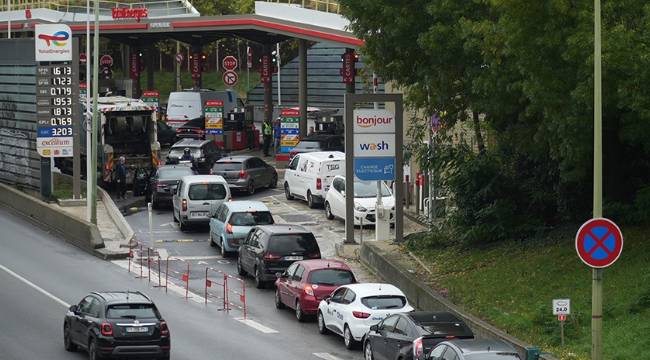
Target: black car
(204, 154)
(162, 183)
(247, 173)
(271, 249)
(193, 129)
(320, 142)
(117, 324)
(166, 134)
(410, 336)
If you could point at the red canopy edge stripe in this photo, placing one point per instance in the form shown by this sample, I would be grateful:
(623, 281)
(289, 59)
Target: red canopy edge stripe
(267, 24)
(143, 26)
(17, 26)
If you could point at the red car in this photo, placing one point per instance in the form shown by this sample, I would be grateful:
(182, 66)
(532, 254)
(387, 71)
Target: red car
(305, 283)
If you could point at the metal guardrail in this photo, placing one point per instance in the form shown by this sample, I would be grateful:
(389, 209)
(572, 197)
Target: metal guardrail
(330, 6)
(168, 7)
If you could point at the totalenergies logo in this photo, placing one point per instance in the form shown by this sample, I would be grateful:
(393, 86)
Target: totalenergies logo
(372, 121)
(59, 38)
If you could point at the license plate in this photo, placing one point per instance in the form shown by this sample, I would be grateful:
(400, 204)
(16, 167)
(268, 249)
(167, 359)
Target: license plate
(293, 258)
(199, 213)
(137, 329)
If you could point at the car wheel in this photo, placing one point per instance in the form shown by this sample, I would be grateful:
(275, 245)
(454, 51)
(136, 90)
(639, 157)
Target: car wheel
(67, 342)
(222, 249)
(274, 182)
(300, 316)
(174, 216)
(321, 324)
(152, 200)
(287, 192)
(310, 200)
(328, 211)
(367, 351)
(250, 189)
(350, 343)
(212, 243)
(181, 224)
(259, 283)
(92, 350)
(240, 268)
(278, 301)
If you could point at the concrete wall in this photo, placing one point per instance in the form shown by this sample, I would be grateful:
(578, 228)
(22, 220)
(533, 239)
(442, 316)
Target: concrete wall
(423, 297)
(80, 233)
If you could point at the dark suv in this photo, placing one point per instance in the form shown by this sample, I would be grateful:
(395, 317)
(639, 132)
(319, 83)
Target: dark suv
(271, 249)
(204, 154)
(117, 323)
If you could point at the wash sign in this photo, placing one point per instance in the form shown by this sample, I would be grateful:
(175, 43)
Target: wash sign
(374, 144)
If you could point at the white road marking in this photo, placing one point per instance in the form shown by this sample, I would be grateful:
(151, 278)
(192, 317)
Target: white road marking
(202, 263)
(190, 258)
(257, 326)
(326, 356)
(34, 286)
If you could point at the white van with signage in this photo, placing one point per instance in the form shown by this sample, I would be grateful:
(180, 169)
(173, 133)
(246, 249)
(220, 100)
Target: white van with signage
(184, 106)
(309, 175)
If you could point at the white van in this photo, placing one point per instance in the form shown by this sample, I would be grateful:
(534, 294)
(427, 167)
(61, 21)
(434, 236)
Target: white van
(197, 197)
(184, 106)
(309, 175)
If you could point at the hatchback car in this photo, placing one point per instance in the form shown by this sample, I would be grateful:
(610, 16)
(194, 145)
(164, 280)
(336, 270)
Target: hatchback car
(305, 283)
(247, 173)
(204, 153)
(318, 143)
(163, 181)
(365, 201)
(352, 309)
(473, 350)
(233, 220)
(410, 336)
(117, 324)
(196, 199)
(271, 249)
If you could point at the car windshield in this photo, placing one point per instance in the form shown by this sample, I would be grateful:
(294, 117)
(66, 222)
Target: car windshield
(288, 243)
(251, 218)
(227, 166)
(384, 302)
(131, 311)
(177, 152)
(493, 356)
(308, 145)
(368, 189)
(207, 192)
(174, 173)
(333, 277)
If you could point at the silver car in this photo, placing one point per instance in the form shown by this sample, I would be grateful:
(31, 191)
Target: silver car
(247, 173)
(473, 350)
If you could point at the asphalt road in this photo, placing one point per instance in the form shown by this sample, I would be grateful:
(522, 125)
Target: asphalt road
(40, 275)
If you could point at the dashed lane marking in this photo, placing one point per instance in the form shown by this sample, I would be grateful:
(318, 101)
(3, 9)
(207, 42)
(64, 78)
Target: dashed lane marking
(34, 286)
(326, 356)
(257, 326)
(191, 258)
(159, 241)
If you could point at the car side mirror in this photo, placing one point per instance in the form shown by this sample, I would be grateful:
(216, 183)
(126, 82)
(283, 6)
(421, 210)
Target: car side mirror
(280, 275)
(73, 309)
(343, 193)
(374, 328)
(327, 299)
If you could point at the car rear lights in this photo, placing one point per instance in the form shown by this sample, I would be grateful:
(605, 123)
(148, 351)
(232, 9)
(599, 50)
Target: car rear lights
(319, 184)
(242, 174)
(184, 204)
(309, 290)
(418, 350)
(106, 329)
(164, 330)
(229, 228)
(272, 257)
(360, 314)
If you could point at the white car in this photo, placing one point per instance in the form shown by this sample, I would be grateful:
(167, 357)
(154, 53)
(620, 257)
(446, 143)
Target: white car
(196, 197)
(309, 175)
(353, 308)
(365, 200)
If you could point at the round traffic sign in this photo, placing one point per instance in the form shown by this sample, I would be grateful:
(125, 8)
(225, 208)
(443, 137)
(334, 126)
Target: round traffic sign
(230, 77)
(229, 62)
(179, 58)
(83, 58)
(599, 242)
(106, 60)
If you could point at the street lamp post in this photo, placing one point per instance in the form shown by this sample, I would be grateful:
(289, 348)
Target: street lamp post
(95, 120)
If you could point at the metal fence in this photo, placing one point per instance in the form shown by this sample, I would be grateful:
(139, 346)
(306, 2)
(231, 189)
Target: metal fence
(331, 6)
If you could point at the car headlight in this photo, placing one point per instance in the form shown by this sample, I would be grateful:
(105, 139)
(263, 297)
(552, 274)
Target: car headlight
(360, 208)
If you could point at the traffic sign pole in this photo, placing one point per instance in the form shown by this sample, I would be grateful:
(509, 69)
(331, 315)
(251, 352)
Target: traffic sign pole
(597, 274)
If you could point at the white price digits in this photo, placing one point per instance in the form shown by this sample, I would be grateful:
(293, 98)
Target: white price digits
(66, 131)
(62, 112)
(61, 81)
(60, 91)
(63, 70)
(62, 101)
(61, 121)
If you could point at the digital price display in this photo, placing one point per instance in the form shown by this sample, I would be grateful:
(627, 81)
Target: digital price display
(56, 88)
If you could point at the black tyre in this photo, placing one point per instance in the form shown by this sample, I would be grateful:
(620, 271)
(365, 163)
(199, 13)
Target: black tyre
(348, 339)
(300, 316)
(328, 211)
(181, 224)
(259, 283)
(250, 189)
(67, 341)
(212, 243)
(222, 249)
(278, 301)
(274, 182)
(92, 350)
(367, 351)
(321, 324)
(240, 268)
(310, 200)
(287, 192)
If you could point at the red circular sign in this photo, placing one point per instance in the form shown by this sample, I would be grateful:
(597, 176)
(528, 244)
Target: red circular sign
(82, 58)
(230, 77)
(179, 58)
(229, 62)
(599, 242)
(106, 60)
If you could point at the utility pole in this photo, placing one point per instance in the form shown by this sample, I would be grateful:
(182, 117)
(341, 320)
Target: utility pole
(95, 120)
(597, 274)
(9, 19)
(277, 56)
(178, 67)
(88, 118)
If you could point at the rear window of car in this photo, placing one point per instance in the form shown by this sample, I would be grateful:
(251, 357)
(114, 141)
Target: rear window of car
(227, 166)
(384, 302)
(131, 311)
(207, 192)
(446, 329)
(308, 145)
(331, 277)
(177, 173)
(493, 356)
(251, 218)
(288, 243)
(177, 152)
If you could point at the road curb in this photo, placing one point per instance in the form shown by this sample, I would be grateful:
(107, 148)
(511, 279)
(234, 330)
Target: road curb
(383, 259)
(117, 217)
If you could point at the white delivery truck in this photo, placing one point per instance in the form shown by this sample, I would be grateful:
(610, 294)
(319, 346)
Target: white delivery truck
(310, 175)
